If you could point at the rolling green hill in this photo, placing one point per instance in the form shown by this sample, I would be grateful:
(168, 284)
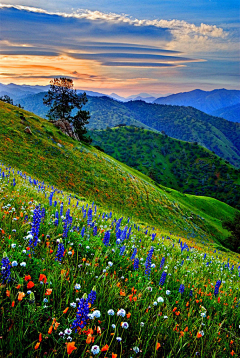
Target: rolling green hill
(185, 123)
(180, 165)
(57, 159)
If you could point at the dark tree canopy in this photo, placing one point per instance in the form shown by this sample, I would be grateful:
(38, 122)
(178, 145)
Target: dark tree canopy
(6, 99)
(234, 228)
(63, 99)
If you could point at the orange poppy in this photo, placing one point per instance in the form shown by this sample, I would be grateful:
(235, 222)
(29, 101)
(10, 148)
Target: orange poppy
(27, 277)
(37, 345)
(158, 346)
(8, 293)
(129, 315)
(48, 292)
(30, 284)
(56, 325)
(50, 329)
(89, 339)
(71, 347)
(114, 355)
(40, 337)
(105, 348)
(66, 309)
(13, 303)
(199, 335)
(20, 296)
(43, 278)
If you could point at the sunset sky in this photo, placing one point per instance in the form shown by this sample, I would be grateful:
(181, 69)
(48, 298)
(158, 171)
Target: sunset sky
(122, 46)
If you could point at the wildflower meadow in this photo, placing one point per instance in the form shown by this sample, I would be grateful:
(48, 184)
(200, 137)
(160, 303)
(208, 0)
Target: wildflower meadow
(82, 281)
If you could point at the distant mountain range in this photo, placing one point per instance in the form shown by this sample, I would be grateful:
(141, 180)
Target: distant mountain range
(231, 113)
(185, 123)
(206, 101)
(17, 92)
(219, 102)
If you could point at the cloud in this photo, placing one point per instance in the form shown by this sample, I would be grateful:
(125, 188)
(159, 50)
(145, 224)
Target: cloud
(140, 64)
(105, 48)
(92, 36)
(173, 30)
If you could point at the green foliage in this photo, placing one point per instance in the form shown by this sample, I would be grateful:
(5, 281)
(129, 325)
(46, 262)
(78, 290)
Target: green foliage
(184, 123)
(180, 165)
(6, 99)
(234, 228)
(63, 99)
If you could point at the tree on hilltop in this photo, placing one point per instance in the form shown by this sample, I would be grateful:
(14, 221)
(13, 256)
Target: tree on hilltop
(63, 100)
(6, 99)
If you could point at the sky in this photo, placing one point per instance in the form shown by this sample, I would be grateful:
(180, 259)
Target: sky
(122, 46)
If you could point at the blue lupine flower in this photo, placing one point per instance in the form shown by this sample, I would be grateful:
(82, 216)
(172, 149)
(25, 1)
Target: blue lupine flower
(217, 286)
(133, 254)
(191, 293)
(204, 256)
(5, 269)
(82, 231)
(89, 219)
(56, 221)
(163, 278)
(66, 228)
(123, 234)
(162, 263)
(55, 204)
(181, 288)
(43, 213)
(149, 262)
(60, 252)
(95, 231)
(106, 239)
(92, 296)
(50, 198)
(82, 313)
(122, 249)
(35, 226)
(118, 234)
(136, 264)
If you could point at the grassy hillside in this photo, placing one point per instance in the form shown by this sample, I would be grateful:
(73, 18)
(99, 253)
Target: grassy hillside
(57, 159)
(180, 165)
(84, 278)
(185, 123)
